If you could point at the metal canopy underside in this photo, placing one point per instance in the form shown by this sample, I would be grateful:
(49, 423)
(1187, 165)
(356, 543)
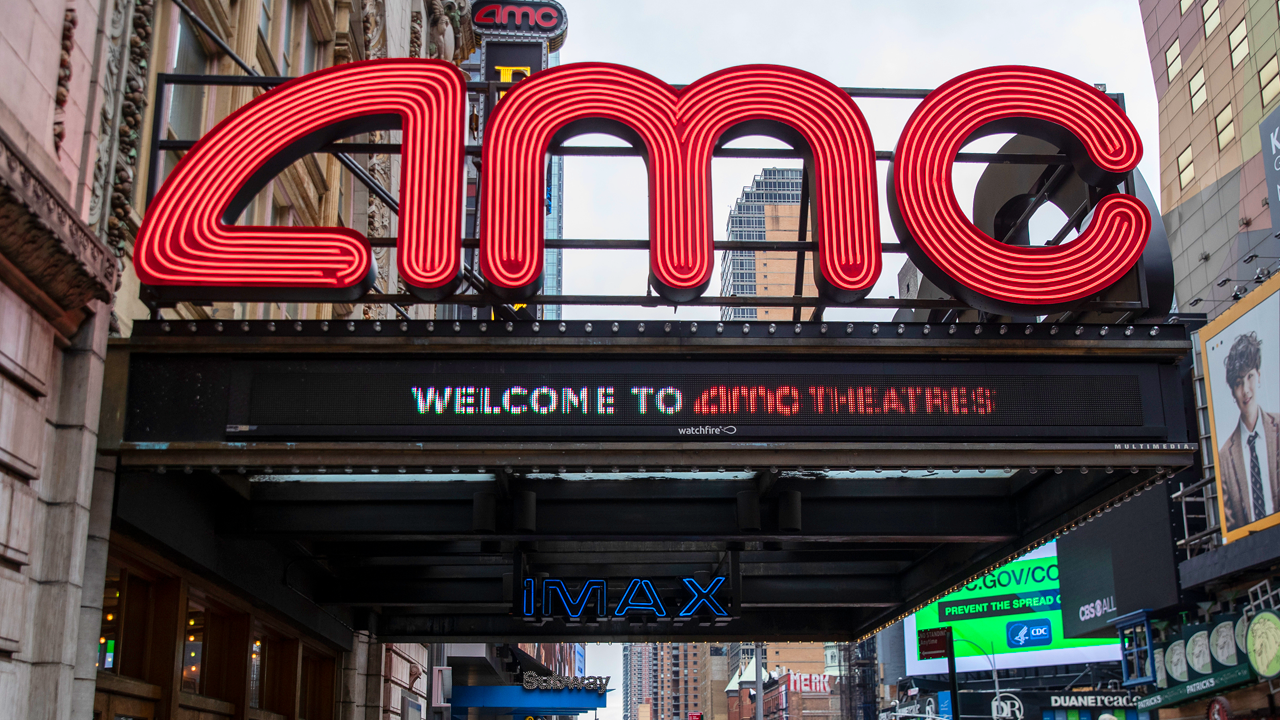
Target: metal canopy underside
(430, 538)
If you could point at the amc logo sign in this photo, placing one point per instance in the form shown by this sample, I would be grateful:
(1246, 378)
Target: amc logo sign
(543, 18)
(190, 247)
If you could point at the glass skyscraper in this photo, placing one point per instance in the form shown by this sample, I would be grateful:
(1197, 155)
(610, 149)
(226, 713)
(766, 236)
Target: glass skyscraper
(738, 268)
(553, 262)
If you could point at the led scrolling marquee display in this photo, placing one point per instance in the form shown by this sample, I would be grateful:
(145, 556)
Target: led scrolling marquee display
(706, 400)
(188, 245)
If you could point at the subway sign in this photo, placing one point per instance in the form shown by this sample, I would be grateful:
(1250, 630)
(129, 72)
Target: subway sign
(190, 247)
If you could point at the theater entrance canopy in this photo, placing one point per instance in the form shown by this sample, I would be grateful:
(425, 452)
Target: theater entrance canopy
(680, 480)
(511, 477)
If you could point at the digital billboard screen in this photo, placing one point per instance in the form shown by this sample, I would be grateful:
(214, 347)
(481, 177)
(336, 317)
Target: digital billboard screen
(702, 400)
(1011, 616)
(1123, 561)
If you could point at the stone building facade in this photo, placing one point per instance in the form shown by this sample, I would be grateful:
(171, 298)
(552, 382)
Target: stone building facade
(103, 615)
(57, 281)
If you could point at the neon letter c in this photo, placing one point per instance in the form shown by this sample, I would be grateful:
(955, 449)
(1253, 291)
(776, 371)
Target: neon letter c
(1102, 145)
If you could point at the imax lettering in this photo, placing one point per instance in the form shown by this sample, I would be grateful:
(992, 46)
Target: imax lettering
(640, 597)
(190, 247)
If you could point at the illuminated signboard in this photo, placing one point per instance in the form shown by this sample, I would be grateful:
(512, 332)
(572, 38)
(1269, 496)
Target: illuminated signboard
(189, 247)
(541, 18)
(1011, 616)
(704, 400)
(640, 597)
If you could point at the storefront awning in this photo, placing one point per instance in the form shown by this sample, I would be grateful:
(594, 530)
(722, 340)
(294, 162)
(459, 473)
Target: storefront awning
(1215, 683)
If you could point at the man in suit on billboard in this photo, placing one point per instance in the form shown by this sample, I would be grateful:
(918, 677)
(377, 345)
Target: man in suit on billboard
(1250, 458)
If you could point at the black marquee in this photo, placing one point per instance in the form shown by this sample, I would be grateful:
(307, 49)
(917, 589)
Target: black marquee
(412, 477)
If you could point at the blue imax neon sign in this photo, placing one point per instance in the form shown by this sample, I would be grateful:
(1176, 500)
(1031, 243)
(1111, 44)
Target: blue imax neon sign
(640, 598)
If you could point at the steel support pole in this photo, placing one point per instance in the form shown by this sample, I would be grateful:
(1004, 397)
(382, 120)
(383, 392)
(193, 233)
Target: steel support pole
(759, 682)
(951, 677)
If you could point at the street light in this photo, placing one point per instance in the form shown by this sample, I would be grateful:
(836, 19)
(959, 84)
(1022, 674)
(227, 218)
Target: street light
(995, 679)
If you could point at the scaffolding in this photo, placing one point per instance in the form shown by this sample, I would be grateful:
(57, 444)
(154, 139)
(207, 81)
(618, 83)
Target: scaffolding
(859, 680)
(1198, 498)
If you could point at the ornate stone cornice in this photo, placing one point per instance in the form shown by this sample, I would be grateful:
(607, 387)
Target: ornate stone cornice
(41, 236)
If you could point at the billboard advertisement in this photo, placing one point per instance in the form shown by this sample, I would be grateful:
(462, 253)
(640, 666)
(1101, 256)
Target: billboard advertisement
(1240, 355)
(1011, 616)
(1122, 561)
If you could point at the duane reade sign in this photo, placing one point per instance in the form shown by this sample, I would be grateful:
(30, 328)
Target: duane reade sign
(1089, 700)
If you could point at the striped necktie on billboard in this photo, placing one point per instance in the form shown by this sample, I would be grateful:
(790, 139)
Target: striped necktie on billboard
(1255, 478)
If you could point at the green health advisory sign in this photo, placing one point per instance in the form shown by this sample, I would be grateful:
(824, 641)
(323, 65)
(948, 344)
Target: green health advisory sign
(1011, 616)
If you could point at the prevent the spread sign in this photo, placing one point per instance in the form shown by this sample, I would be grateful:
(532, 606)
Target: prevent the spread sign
(1011, 616)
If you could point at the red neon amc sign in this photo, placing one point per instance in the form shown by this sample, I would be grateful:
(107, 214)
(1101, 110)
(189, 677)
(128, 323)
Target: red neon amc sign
(189, 242)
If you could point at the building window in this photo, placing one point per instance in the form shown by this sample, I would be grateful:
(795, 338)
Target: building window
(1212, 17)
(264, 21)
(1173, 59)
(311, 50)
(1239, 40)
(1186, 168)
(186, 110)
(257, 661)
(1198, 92)
(286, 47)
(193, 648)
(1226, 128)
(186, 103)
(109, 639)
(1267, 78)
(1187, 4)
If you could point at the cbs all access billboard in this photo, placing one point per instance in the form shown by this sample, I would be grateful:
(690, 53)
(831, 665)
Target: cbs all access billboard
(1011, 616)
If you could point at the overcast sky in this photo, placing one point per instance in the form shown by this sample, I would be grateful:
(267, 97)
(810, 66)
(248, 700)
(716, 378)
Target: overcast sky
(903, 43)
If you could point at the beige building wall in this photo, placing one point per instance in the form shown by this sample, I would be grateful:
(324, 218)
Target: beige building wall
(796, 657)
(276, 37)
(767, 210)
(712, 682)
(1210, 60)
(776, 269)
